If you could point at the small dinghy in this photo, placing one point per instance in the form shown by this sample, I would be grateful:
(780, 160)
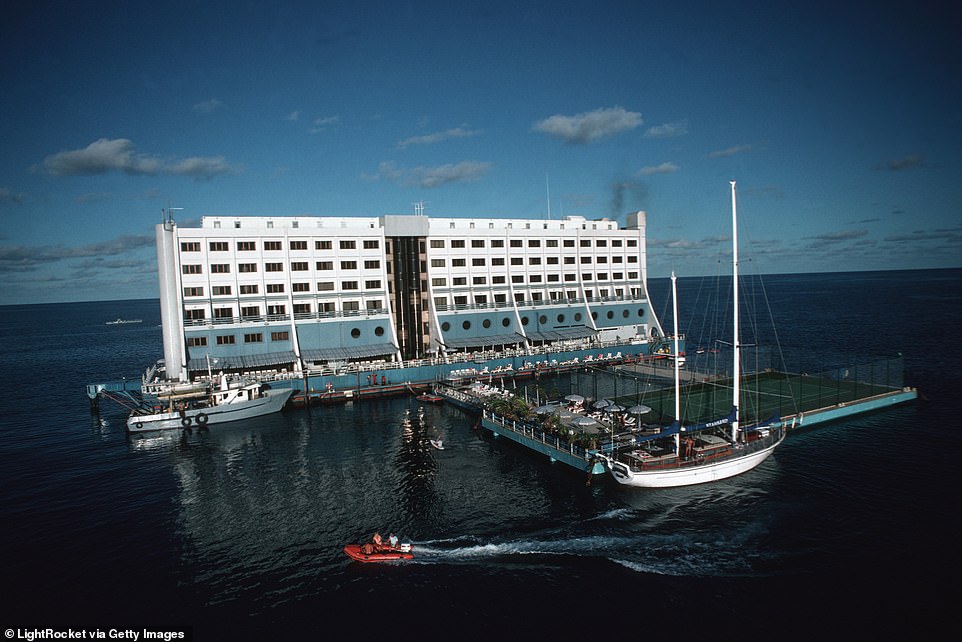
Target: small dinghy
(371, 553)
(437, 443)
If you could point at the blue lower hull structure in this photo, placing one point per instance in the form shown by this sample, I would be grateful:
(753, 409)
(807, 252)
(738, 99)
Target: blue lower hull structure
(356, 381)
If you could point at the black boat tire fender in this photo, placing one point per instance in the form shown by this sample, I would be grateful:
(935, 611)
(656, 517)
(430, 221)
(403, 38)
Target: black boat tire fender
(185, 422)
(201, 419)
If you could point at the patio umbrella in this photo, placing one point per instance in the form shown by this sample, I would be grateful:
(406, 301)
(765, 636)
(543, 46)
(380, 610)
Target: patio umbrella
(640, 409)
(601, 403)
(585, 421)
(574, 398)
(615, 408)
(545, 410)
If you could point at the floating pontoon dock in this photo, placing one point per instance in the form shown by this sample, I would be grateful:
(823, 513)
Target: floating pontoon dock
(797, 400)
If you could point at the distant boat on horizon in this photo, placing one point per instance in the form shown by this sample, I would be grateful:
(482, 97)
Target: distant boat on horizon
(121, 321)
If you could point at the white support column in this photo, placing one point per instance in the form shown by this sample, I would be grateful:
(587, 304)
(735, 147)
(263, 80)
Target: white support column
(171, 301)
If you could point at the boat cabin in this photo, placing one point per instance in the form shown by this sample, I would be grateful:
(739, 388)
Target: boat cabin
(708, 444)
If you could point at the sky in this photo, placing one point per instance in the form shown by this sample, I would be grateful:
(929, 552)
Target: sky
(841, 122)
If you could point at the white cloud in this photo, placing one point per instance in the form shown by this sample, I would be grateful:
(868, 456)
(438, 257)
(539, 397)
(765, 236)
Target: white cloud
(590, 126)
(320, 124)
(294, 115)
(665, 168)
(731, 151)
(428, 177)
(100, 157)
(26, 258)
(386, 171)
(437, 137)
(105, 155)
(709, 242)
(463, 172)
(838, 237)
(668, 130)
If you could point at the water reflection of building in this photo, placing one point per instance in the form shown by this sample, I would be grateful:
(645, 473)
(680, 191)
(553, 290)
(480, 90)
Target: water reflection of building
(416, 465)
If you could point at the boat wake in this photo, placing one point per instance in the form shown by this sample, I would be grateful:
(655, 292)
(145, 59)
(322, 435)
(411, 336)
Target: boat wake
(615, 514)
(686, 554)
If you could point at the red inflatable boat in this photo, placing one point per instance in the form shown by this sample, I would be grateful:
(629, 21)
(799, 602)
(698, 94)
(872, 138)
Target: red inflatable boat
(370, 553)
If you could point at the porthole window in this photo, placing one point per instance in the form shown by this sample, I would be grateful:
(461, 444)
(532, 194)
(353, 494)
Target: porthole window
(466, 325)
(624, 313)
(542, 319)
(379, 331)
(356, 332)
(486, 323)
(641, 312)
(561, 318)
(524, 320)
(445, 326)
(594, 315)
(506, 322)
(577, 316)
(611, 314)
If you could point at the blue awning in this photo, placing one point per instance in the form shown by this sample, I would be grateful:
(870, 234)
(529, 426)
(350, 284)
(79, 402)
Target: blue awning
(241, 362)
(350, 352)
(675, 428)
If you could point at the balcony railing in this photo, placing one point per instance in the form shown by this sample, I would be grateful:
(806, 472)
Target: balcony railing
(535, 303)
(274, 318)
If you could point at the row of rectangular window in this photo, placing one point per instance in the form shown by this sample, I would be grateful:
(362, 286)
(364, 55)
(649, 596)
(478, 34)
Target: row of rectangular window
(532, 278)
(532, 260)
(230, 339)
(328, 286)
(254, 311)
(477, 243)
(278, 288)
(296, 266)
(274, 246)
(521, 298)
(510, 225)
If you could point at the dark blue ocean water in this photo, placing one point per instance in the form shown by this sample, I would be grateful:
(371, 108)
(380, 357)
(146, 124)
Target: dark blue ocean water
(848, 532)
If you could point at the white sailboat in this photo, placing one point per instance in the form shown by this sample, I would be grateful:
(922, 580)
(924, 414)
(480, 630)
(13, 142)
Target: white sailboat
(705, 452)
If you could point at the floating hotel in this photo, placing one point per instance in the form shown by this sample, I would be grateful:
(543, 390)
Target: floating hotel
(312, 294)
(341, 308)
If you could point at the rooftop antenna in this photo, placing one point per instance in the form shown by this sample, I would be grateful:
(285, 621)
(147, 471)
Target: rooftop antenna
(419, 208)
(168, 216)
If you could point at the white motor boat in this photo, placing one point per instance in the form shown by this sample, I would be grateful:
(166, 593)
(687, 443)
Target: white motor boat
(193, 410)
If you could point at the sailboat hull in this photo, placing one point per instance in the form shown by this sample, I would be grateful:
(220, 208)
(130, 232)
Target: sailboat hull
(690, 474)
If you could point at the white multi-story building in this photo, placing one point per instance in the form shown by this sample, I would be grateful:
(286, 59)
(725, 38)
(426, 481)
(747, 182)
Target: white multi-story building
(287, 292)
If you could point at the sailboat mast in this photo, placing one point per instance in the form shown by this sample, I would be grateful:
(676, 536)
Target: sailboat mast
(736, 380)
(674, 302)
